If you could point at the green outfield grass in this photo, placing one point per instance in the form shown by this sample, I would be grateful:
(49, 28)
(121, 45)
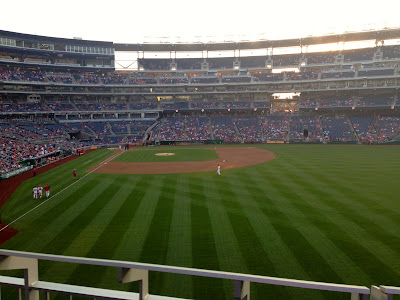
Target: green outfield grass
(149, 155)
(327, 213)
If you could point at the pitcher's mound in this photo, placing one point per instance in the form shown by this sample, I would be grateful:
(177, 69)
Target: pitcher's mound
(165, 154)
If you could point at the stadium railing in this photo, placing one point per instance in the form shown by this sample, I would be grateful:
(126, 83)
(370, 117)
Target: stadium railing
(134, 271)
(384, 292)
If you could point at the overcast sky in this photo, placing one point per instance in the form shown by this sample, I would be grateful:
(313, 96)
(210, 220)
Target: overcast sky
(213, 20)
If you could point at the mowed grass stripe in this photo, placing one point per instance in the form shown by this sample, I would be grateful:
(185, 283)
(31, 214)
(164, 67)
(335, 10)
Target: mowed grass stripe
(55, 237)
(355, 189)
(179, 252)
(228, 252)
(58, 178)
(84, 241)
(363, 245)
(137, 229)
(344, 216)
(256, 260)
(204, 251)
(83, 218)
(45, 223)
(266, 253)
(286, 222)
(112, 238)
(156, 244)
(108, 235)
(312, 247)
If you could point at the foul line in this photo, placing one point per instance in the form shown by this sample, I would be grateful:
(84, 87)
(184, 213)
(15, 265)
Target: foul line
(87, 162)
(101, 164)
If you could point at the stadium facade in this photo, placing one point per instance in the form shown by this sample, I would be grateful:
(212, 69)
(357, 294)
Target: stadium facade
(61, 93)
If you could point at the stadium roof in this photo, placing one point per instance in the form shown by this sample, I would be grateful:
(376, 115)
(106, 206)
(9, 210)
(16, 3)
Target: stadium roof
(379, 35)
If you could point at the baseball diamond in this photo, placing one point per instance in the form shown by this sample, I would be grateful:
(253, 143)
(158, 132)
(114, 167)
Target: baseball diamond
(228, 157)
(204, 170)
(311, 213)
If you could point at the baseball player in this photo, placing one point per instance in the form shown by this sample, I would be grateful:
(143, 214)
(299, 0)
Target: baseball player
(40, 191)
(219, 169)
(34, 192)
(47, 189)
(74, 173)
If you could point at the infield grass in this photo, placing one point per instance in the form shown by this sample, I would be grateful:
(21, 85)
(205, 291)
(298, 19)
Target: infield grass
(327, 213)
(150, 155)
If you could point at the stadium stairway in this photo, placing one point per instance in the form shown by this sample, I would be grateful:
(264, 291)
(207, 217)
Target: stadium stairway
(148, 130)
(237, 130)
(91, 130)
(110, 128)
(210, 126)
(352, 130)
(322, 130)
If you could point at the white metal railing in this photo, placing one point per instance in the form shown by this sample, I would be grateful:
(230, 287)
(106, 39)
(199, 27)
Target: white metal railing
(384, 292)
(134, 271)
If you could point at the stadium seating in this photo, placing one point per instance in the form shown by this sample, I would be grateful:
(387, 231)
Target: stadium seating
(337, 129)
(223, 128)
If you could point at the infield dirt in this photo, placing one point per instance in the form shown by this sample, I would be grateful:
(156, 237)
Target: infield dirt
(228, 158)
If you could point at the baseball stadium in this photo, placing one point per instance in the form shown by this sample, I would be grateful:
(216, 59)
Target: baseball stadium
(211, 170)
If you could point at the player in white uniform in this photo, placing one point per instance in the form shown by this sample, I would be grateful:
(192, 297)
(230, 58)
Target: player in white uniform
(34, 192)
(40, 191)
(219, 169)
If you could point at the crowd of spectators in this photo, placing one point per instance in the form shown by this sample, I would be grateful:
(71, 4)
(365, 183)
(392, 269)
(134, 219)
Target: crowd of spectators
(249, 128)
(337, 129)
(383, 129)
(212, 79)
(197, 128)
(114, 106)
(275, 128)
(304, 75)
(175, 105)
(311, 123)
(338, 74)
(391, 52)
(362, 127)
(223, 128)
(327, 102)
(119, 127)
(286, 60)
(172, 129)
(321, 58)
(375, 100)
